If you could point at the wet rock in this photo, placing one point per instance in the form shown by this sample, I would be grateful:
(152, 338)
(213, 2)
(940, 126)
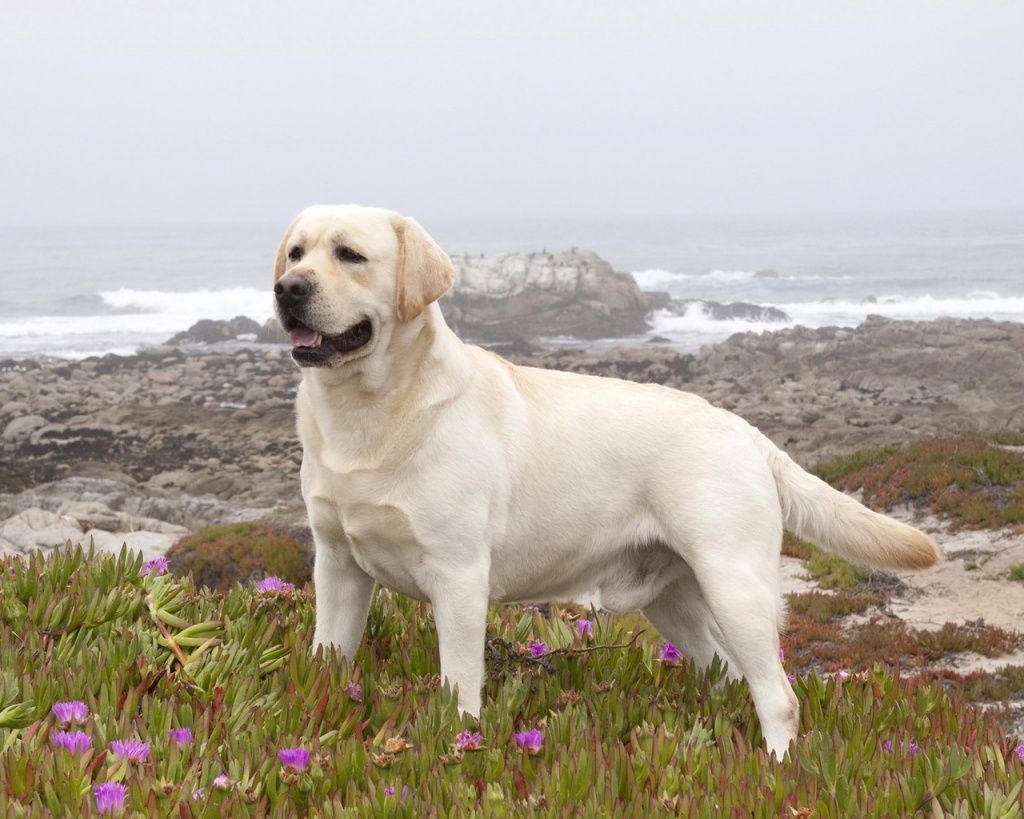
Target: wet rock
(209, 331)
(718, 311)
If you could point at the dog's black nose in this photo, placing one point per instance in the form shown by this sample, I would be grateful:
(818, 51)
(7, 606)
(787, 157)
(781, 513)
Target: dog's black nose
(293, 289)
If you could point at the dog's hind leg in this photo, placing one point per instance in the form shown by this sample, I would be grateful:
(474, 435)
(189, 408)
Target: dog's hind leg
(744, 600)
(682, 616)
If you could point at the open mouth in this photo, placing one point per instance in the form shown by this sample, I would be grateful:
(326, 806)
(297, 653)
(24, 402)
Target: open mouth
(313, 348)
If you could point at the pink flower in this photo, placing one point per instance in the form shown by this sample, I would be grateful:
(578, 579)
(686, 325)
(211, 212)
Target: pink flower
(220, 781)
(390, 791)
(670, 654)
(74, 741)
(160, 565)
(295, 758)
(469, 741)
(131, 749)
(584, 626)
(183, 736)
(110, 797)
(355, 693)
(273, 585)
(538, 648)
(530, 740)
(67, 712)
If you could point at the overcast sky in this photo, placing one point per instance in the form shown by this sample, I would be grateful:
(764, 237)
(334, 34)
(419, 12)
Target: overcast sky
(220, 111)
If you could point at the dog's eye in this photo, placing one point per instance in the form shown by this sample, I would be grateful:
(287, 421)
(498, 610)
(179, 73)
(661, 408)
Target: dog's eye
(347, 254)
(295, 253)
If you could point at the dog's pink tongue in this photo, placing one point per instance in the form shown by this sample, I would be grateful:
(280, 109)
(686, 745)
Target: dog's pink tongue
(303, 337)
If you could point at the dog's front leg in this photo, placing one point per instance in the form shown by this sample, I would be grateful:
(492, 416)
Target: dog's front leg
(343, 592)
(460, 613)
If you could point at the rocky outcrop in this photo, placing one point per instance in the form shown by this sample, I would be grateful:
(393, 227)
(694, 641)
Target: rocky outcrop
(187, 439)
(572, 293)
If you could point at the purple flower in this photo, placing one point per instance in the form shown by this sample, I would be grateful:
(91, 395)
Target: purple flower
(1019, 750)
(199, 793)
(67, 712)
(355, 693)
(911, 748)
(390, 791)
(782, 655)
(469, 741)
(131, 749)
(843, 676)
(273, 585)
(183, 736)
(295, 758)
(74, 741)
(110, 797)
(538, 648)
(670, 654)
(530, 740)
(584, 626)
(160, 565)
(221, 781)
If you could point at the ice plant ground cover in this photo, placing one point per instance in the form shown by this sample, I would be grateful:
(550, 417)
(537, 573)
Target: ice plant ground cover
(619, 730)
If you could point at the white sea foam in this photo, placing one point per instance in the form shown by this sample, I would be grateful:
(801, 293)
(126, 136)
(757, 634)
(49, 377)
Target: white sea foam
(696, 321)
(656, 278)
(136, 318)
(212, 304)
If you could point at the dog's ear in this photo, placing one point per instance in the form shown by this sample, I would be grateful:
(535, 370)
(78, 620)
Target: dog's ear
(424, 270)
(282, 249)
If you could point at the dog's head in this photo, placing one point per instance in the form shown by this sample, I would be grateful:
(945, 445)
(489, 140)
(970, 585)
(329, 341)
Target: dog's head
(346, 275)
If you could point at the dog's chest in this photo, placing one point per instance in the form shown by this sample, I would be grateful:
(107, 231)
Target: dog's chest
(379, 534)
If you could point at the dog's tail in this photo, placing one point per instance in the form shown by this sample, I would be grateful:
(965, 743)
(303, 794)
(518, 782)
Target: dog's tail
(814, 511)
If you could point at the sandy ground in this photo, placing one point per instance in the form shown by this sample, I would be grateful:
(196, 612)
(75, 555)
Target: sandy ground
(971, 582)
(969, 585)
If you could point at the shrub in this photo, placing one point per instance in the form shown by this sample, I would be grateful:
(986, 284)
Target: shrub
(973, 481)
(221, 555)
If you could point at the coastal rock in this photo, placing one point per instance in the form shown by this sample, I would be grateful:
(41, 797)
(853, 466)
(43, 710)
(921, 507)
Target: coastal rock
(109, 513)
(272, 333)
(22, 427)
(210, 331)
(571, 293)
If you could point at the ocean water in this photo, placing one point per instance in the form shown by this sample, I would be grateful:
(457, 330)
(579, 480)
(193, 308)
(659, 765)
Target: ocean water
(76, 292)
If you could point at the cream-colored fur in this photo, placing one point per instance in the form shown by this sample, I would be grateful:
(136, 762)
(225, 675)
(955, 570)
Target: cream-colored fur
(441, 471)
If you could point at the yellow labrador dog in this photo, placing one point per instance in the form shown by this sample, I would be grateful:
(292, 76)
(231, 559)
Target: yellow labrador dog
(442, 471)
